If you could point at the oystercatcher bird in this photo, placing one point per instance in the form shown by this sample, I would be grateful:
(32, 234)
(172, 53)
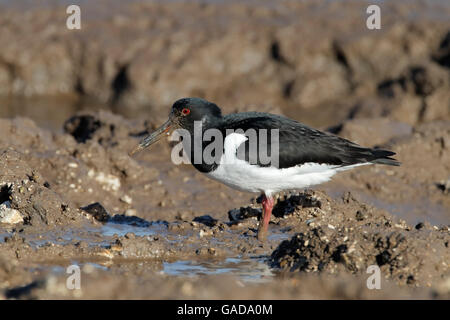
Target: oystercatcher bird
(304, 156)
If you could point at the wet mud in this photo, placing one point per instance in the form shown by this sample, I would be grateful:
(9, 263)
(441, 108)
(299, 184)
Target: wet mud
(143, 227)
(81, 199)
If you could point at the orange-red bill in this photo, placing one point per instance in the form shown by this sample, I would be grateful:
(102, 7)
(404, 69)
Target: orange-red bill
(153, 137)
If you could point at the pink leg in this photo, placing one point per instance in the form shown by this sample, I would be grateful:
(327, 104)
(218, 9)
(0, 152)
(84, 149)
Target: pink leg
(267, 203)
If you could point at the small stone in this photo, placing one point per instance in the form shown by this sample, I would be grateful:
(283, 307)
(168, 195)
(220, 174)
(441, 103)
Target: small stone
(8, 215)
(35, 177)
(410, 280)
(109, 181)
(383, 258)
(130, 235)
(201, 251)
(420, 225)
(444, 186)
(130, 212)
(126, 199)
(207, 220)
(97, 211)
(360, 215)
(243, 213)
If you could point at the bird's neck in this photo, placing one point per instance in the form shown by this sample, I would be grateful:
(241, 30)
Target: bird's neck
(199, 141)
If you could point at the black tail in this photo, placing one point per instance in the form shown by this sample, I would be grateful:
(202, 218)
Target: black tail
(384, 157)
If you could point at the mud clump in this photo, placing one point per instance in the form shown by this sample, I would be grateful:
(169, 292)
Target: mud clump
(25, 191)
(407, 255)
(442, 55)
(97, 211)
(207, 220)
(141, 247)
(444, 186)
(82, 127)
(294, 202)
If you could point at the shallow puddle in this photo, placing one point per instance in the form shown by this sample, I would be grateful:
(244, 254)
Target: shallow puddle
(110, 229)
(246, 269)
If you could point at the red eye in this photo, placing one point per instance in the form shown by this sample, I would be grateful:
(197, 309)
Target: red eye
(185, 111)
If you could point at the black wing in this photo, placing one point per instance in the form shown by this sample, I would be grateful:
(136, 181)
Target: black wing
(299, 144)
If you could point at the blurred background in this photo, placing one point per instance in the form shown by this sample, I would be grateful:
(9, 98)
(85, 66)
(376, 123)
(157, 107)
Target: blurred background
(315, 61)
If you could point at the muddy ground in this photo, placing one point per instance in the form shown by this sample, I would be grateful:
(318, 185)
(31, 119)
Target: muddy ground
(78, 198)
(144, 228)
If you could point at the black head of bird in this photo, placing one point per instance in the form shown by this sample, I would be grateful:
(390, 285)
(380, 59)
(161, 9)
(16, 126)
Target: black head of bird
(183, 115)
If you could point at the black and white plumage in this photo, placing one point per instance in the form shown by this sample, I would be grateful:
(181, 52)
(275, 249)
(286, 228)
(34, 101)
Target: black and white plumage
(306, 156)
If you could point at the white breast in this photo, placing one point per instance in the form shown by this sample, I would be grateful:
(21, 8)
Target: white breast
(241, 175)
